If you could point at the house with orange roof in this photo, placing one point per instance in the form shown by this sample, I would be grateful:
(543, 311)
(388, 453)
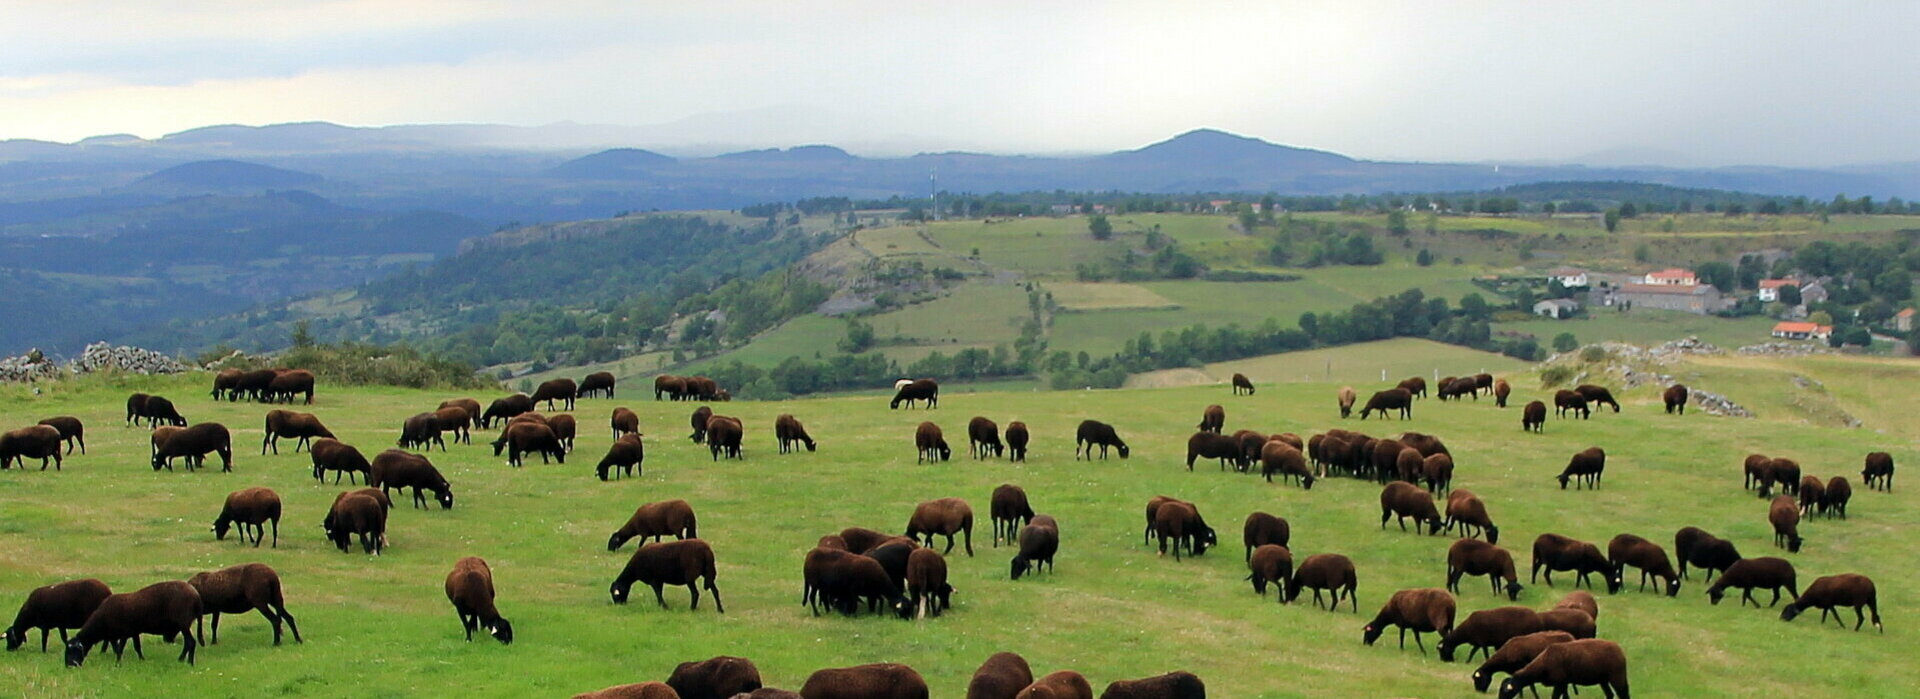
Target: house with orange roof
(1673, 276)
(1802, 331)
(1770, 289)
(1903, 321)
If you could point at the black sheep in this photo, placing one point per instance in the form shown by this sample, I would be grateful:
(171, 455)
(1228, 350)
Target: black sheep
(1475, 557)
(1695, 547)
(1580, 662)
(1093, 433)
(522, 438)
(1010, 511)
(1039, 542)
(72, 431)
(1827, 593)
(165, 609)
(1554, 552)
(1585, 468)
(1392, 399)
(724, 437)
(719, 677)
(504, 409)
(159, 410)
(1423, 610)
(338, 457)
(61, 606)
(1878, 473)
(1597, 395)
(1213, 419)
(596, 383)
(921, 390)
(1209, 445)
(562, 390)
(983, 438)
(37, 442)
(1017, 441)
(1630, 550)
(251, 508)
(1675, 398)
(1838, 492)
(357, 514)
(685, 562)
(1565, 401)
(470, 589)
(195, 443)
(657, 520)
(1748, 574)
(241, 589)
(624, 456)
(1325, 571)
(1240, 383)
(1533, 417)
(394, 469)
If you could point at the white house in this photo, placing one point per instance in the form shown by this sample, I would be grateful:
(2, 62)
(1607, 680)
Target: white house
(1570, 277)
(1556, 308)
(1770, 289)
(1671, 277)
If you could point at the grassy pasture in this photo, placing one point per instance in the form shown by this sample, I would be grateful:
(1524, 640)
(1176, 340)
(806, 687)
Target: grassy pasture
(1360, 364)
(1079, 296)
(381, 626)
(1649, 327)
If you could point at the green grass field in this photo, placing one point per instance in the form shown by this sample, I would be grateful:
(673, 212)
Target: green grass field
(1649, 327)
(381, 626)
(1358, 364)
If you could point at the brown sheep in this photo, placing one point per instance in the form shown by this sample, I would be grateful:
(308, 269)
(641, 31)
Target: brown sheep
(1213, 419)
(226, 384)
(1002, 676)
(1437, 471)
(292, 425)
(504, 409)
(928, 593)
(287, 384)
(1565, 401)
(136, 408)
(1270, 564)
(1039, 541)
(684, 562)
(66, 605)
(1400, 500)
(636, 690)
(160, 411)
(701, 416)
(1585, 467)
(166, 609)
(624, 456)
(596, 383)
(1579, 662)
(1384, 456)
(1262, 529)
(394, 469)
(1515, 654)
(788, 431)
(1784, 514)
(1554, 552)
(1466, 511)
(1416, 386)
(1347, 397)
(535, 418)
(251, 508)
(1062, 684)
(929, 444)
(861, 539)
(1181, 523)
(876, 681)
(37, 442)
(1827, 593)
(1533, 417)
(840, 580)
(945, 517)
(1500, 392)
(719, 677)
(1573, 621)
(160, 436)
(71, 431)
(1597, 395)
(564, 428)
(673, 387)
(1093, 433)
(1017, 441)
(1408, 466)
(528, 437)
(1878, 473)
(195, 443)
(725, 436)
(1325, 571)
(1755, 467)
(339, 457)
(257, 384)
(983, 436)
(470, 589)
(1173, 685)
(1475, 557)
(1838, 492)
(1463, 386)
(241, 589)
(1393, 399)
(561, 390)
(454, 419)
(1676, 399)
(1748, 574)
(1630, 550)
(1240, 383)
(1426, 444)
(1285, 459)
(1581, 600)
(1209, 445)
(1786, 473)
(1289, 439)
(624, 422)
(361, 514)
(1695, 547)
(1010, 511)
(1423, 610)
(921, 390)
(422, 431)
(657, 520)
(469, 405)
(1812, 492)
(769, 693)
(1488, 629)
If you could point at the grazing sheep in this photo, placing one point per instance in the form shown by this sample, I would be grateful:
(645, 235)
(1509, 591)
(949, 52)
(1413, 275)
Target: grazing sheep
(467, 405)
(1533, 417)
(454, 419)
(1209, 445)
(1384, 457)
(1585, 468)
(1784, 514)
(1597, 395)
(1565, 401)
(1173, 685)
(136, 408)
(1676, 399)
(1400, 500)
(683, 562)
(719, 677)
(257, 384)
(1285, 459)
(195, 443)
(287, 384)
(1786, 473)
(529, 437)
(562, 390)
(66, 605)
(983, 437)
(769, 693)
(250, 508)
(1423, 610)
(37, 442)
(1488, 629)
(1755, 468)
(836, 579)
(877, 576)
(1581, 600)
(1500, 392)
(292, 425)
(1213, 419)
(624, 456)
(1554, 552)
(636, 690)
(1437, 471)
(673, 387)
(701, 416)
(1813, 491)
(1572, 621)
(624, 422)
(1270, 564)
(1466, 511)
(160, 436)
(1827, 593)
(657, 520)
(334, 455)
(929, 444)
(564, 428)
(1839, 491)
(1475, 557)
(1515, 654)
(1455, 388)
(1426, 444)
(167, 609)
(361, 514)
(1181, 523)
(1017, 441)
(1392, 399)
(1094, 432)
(1630, 550)
(1765, 573)
(71, 431)
(921, 390)
(876, 681)
(1010, 511)
(395, 469)
(1039, 541)
(160, 411)
(1416, 386)
(927, 590)
(1262, 529)
(724, 436)
(1878, 473)
(1347, 397)
(1325, 571)
(1695, 547)
(1002, 676)
(226, 384)
(1062, 684)
(241, 589)
(422, 431)
(862, 540)
(1240, 383)
(596, 383)
(470, 589)
(1579, 662)
(504, 409)
(945, 517)
(788, 431)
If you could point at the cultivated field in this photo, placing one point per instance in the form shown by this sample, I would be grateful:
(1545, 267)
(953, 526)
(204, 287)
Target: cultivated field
(382, 627)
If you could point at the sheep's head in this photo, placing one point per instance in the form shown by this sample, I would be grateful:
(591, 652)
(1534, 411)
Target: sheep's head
(1513, 593)
(76, 652)
(1370, 633)
(220, 528)
(1792, 610)
(501, 631)
(1673, 587)
(619, 591)
(1020, 566)
(446, 498)
(1124, 451)
(16, 637)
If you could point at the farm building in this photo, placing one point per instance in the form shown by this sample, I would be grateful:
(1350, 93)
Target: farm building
(1770, 289)
(1697, 298)
(1673, 276)
(1802, 331)
(1556, 308)
(1570, 277)
(1903, 321)
(1814, 292)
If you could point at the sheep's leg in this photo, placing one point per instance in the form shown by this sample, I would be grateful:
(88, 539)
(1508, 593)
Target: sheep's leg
(1776, 599)
(276, 534)
(216, 628)
(280, 608)
(138, 652)
(1403, 638)
(658, 596)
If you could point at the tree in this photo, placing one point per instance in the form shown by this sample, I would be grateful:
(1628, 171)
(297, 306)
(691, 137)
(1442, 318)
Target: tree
(1855, 335)
(1790, 295)
(1820, 318)
(1099, 227)
(1565, 342)
(1397, 222)
(1475, 307)
(859, 338)
(1612, 219)
(303, 334)
(1894, 285)
(1424, 259)
(1720, 274)
(1641, 253)
(1628, 210)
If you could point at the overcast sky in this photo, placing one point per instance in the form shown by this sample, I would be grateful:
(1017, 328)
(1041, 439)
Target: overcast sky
(1685, 83)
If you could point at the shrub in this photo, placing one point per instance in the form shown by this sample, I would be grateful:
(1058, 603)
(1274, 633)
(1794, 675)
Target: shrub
(1593, 353)
(1555, 376)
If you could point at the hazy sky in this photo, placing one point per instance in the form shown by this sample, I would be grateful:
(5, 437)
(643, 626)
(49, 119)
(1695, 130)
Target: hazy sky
(1691, 83)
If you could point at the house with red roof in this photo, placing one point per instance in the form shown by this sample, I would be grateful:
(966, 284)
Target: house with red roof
(1770, 289)
(1903, 321)
(1673, 276)
(1802, 331)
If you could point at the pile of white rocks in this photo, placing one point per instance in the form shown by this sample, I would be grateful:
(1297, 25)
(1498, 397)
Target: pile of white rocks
(1786, 349)
(28, 367)
(98, 356)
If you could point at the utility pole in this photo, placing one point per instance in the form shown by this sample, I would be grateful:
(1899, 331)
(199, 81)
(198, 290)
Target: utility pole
(933, 188)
